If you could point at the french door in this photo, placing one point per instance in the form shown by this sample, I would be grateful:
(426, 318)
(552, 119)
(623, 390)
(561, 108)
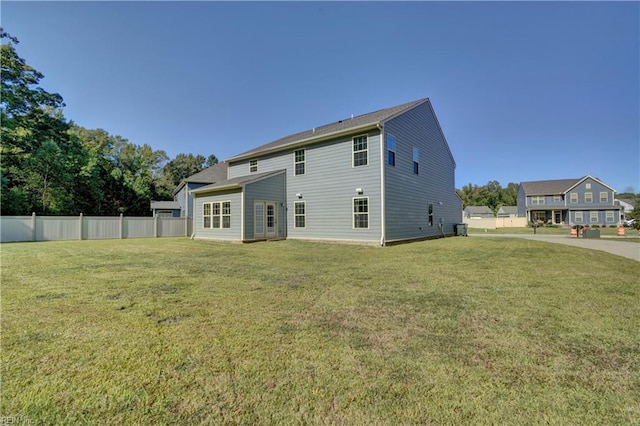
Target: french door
(265, 214)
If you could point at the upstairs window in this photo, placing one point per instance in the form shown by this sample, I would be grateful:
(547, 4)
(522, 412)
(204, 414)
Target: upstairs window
(253, 166)
(391, 150)
(588, 197)
(604, 197)
(360, 151)
(537, 200)
(557, 198)
(416, 160)
(587, 185)
(299, 162)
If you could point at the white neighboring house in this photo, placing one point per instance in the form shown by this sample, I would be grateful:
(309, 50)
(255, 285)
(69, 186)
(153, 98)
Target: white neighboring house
(626, 207)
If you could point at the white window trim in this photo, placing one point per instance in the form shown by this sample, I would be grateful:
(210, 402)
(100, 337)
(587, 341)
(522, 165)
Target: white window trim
(573, 200)
(296, 215)
(591, 216)
(353, 165)
(585, 197)
(610, 214)
(539, 200)
(580, 219)
(252, 164)
(604, 199)
(210, 215)
(295, 162)
(220, 215)
(353, 213)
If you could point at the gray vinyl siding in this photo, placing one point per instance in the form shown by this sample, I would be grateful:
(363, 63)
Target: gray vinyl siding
(407, 195)
(328, 188)
(232, 233)
(270, 189)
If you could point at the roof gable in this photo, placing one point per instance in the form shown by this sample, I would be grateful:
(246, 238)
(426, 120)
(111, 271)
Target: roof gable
(317, 134)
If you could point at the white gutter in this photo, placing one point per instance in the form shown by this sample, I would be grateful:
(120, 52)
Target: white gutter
(382, 185)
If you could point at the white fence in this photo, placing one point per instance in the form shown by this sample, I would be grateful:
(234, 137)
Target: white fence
(56, 228)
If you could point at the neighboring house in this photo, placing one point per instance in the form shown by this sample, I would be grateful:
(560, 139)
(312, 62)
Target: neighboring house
(583, 201)
(183, 200)
(478, 212)
(165, 208)
(626, 205)
(376, 178)
(508, 211)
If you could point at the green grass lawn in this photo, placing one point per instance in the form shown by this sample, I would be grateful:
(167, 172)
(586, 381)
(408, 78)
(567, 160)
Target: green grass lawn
(450, 331)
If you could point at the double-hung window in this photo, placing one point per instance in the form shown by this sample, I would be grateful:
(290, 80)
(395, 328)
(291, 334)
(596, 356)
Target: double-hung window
(593, 216)
(430, 212)
(226, 214)
(604, 197)
(253, 166)
(610, 216)
(216, 215)
(360, 151)
(361, 212)
(573, 197)
(416, 160)
(300, 214)
(299, 162)
(391, 150)
(579, 218)
(588, 197)
(537, 199)
(206, 215)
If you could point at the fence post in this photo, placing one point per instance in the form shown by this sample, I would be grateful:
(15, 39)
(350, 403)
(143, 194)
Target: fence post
(33, 226)
(121, 226)
(80, 228)
(155, 226)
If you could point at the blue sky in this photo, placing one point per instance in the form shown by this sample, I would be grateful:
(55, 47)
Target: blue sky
(523, 90)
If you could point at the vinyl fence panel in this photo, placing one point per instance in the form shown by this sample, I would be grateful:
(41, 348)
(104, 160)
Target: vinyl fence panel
(52, 228)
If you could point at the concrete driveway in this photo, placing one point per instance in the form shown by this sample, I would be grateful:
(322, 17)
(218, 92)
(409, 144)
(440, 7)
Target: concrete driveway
(619, 248)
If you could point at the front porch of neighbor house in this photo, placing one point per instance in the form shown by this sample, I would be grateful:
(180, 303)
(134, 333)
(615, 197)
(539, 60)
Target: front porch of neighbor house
(553, 216)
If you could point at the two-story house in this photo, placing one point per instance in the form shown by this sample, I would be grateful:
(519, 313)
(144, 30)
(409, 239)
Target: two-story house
(376, 178)
(583, 201)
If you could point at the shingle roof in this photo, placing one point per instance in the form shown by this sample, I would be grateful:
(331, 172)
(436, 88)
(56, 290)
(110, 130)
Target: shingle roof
(215, 173)
(360, 121)
(236, 182)
(479, 210)
(549, 187)
(509, 209)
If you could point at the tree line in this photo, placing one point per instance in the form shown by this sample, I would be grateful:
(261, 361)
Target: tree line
(492, 195)
(52, 166)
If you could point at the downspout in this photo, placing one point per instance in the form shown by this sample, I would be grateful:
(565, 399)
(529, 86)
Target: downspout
(382, 186)
(242, 218)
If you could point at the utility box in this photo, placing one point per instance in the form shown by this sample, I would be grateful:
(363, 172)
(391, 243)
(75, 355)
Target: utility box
(461, 229)
(591, 233)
